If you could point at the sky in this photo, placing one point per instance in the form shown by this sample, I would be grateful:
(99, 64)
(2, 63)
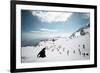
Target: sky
(50, 22)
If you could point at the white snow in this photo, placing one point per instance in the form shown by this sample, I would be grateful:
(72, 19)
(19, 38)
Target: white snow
(62, 49)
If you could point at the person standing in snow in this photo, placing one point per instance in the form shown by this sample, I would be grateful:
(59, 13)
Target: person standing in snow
(67, 52)
(83, 46)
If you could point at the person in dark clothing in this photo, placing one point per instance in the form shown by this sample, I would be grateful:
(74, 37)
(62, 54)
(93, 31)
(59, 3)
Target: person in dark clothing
(74, 51)
(87, 54)
(42, 53)
(83, 46)
(79, 51)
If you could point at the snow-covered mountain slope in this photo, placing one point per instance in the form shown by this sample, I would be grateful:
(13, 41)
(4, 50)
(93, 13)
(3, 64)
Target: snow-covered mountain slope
(75, 47)
(81, 32)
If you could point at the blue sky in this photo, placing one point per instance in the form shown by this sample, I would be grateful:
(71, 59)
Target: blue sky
(37, 25)
(33, 21)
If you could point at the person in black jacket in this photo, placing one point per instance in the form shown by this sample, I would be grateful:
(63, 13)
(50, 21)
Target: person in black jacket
(42, 53)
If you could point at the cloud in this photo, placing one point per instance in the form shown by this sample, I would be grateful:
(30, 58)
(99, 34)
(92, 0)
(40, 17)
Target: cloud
(86, 15)
(50, 17)
(35, 31)
(35, 34)
(44, 30)
(48, 30)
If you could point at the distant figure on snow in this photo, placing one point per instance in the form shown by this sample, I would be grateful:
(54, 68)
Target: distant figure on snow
(79, 51)
(53, 40)
(74, 51)
(83, 46)
(67, 52)
(42, 53)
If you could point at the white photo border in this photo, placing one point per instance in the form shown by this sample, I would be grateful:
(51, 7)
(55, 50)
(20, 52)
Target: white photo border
(19, 5)
(48, 64)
